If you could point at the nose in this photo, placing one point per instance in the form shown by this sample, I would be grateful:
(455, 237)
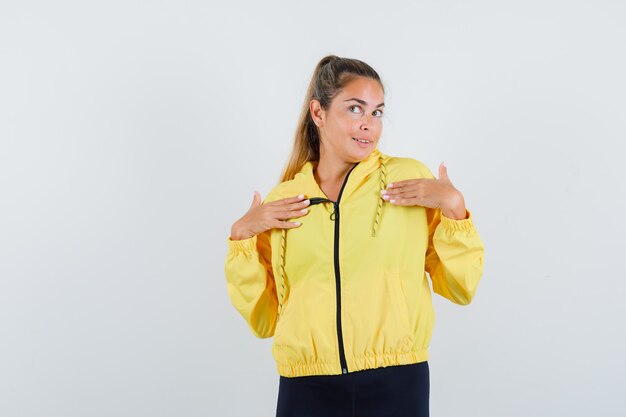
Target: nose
(366, 121)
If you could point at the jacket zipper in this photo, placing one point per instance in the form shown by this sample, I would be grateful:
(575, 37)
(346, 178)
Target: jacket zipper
(316, 200)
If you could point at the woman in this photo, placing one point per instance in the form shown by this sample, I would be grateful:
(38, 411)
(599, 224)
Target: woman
(333, 263)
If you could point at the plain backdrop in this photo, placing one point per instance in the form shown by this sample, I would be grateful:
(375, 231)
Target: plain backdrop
(133, 134)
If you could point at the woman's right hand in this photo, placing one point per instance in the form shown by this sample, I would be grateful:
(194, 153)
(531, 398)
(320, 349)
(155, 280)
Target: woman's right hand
(262, 217)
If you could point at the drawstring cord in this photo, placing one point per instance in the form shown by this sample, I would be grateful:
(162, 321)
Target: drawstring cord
(383, 185)
(281, 294)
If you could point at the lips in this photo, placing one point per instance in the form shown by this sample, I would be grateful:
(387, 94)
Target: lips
(360, 140)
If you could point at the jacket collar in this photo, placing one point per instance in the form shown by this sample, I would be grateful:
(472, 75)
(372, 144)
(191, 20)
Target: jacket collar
(358, 174)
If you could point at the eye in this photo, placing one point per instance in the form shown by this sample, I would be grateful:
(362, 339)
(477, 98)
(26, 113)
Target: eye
(352, 107)
(380, 111)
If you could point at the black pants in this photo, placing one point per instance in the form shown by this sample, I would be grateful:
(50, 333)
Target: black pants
(393, 391)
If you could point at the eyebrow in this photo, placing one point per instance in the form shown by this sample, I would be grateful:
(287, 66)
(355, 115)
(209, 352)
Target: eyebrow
(364, 102)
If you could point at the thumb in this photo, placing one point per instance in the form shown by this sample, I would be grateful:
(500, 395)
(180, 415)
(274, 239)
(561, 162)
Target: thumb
(443, 172)
(256, 200)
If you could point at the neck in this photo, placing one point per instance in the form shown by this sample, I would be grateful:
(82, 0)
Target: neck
(331, 169)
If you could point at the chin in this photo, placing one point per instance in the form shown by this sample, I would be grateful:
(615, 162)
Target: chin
(361, 154)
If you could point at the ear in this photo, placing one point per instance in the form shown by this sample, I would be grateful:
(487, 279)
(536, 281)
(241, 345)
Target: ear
(317, 113)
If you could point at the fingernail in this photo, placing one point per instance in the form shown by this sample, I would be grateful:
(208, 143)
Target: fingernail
(390, 185)
(301, 196)
(383, 191)
(297, 223)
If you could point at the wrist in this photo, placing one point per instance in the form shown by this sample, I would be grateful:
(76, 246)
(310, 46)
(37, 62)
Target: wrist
(455, 209)
(455, 214)
(237, 232)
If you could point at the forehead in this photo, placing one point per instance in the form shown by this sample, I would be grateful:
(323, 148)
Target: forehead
(363, 88)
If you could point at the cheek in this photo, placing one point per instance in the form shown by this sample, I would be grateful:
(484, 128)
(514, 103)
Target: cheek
(346, 126)
(378, 127)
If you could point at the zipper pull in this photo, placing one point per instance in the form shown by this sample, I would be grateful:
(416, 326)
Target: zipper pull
(318, 200)
(345, 371)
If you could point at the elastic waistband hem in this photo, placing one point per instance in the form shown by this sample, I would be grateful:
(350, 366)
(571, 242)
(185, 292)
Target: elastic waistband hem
(356, 363)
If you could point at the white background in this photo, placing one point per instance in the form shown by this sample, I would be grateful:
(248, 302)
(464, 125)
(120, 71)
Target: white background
(133, 134)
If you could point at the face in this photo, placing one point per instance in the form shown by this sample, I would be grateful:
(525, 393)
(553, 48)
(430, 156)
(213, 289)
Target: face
(355, 113)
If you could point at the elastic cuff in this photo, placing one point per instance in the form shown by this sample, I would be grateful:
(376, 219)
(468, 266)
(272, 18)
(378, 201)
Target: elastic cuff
(453, 225)
(246, 246)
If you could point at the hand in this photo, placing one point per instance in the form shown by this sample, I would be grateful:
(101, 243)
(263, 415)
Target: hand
(427, 192)
(262, 217)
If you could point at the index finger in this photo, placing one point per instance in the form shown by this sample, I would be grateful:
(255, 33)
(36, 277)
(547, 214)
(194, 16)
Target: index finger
(398, 184)
(291, 199)
(404, 183)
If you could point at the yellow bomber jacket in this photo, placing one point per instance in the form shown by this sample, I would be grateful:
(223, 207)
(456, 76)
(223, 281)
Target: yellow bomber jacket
(347, 290)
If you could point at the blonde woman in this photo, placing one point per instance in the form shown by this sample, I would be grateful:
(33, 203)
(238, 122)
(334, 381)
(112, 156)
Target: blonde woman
(335, 262)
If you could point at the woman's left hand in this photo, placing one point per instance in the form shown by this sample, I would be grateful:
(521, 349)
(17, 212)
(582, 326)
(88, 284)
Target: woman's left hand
(426, 192)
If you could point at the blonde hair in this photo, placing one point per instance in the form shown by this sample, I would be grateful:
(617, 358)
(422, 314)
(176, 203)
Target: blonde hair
(330, 76)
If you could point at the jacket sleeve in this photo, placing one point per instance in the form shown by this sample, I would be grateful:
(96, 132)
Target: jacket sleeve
(454, 258)
(250, 282)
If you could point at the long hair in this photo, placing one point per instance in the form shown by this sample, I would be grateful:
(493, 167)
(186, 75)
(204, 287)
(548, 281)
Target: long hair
(330, 76)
